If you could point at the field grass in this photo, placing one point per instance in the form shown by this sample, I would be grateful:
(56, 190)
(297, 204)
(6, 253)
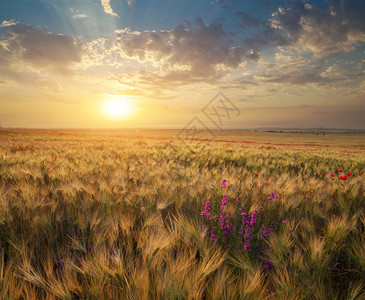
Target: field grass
(118, 215)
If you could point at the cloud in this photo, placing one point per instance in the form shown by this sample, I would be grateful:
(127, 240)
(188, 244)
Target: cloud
(306, 39)
(79, 16)
(101, 52)
(249, 20)
(200, 50)
(7, 83)
(131, 2)
(323, 32)
(5, 54)
(8, 23)
(107, 8)
(42, 49)
(263, 34)
(298, 69)
(50, 86)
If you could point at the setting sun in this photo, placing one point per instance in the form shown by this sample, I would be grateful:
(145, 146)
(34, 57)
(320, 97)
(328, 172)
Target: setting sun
(118, 109)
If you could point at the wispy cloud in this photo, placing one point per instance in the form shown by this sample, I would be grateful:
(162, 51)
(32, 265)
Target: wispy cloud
(107, 8)
(131, 2)
(50, 86)
(7, 83)
(80, 16)
(8, 23)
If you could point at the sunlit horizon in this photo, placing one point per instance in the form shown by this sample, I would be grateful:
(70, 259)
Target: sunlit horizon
(144, 64)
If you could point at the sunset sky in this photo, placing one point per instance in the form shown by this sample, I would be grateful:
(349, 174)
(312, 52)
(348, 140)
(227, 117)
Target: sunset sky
(138, 63)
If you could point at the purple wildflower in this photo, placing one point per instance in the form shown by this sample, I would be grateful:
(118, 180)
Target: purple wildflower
(221, 220)
(253, 218)
(267, 265)
(223, 184)
(213, 236)
(273, 196)
(266, 231)
(224, 201)
(60, 265)
(205, 211)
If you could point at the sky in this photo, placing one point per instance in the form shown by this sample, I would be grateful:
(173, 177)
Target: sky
(169, 63)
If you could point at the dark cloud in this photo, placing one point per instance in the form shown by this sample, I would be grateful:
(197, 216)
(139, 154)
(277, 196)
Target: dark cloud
(248, 20)
(264, 34)
(322, 31)
(200, 49)
(43, 49)
(351, 11)
(307, 35)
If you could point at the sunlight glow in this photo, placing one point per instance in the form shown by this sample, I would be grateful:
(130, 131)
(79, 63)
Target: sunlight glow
(118, 108)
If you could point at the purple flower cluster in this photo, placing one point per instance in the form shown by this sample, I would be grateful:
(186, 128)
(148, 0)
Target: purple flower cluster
(213, 236)
(223, 184)
(246, 229)
(273, 196)
(205, 211)
(266, 231)
(236, 228)
(224, 201)
(267, 264)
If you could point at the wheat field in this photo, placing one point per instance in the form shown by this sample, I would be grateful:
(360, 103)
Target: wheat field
(123, 215)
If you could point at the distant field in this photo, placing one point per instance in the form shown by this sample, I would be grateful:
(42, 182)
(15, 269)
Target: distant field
(123, 214)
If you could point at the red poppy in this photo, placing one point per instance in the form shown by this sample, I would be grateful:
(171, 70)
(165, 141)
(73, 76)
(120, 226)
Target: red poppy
(359, 173)
(343, 177)
(339, 171)
(349, 174)
(308, 197)
(267, 177)
(256, 174)
(55, 157)
(332, 175)
(323, 174)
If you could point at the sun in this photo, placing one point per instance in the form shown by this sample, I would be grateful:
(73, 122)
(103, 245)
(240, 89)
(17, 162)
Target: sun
(118, 109)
